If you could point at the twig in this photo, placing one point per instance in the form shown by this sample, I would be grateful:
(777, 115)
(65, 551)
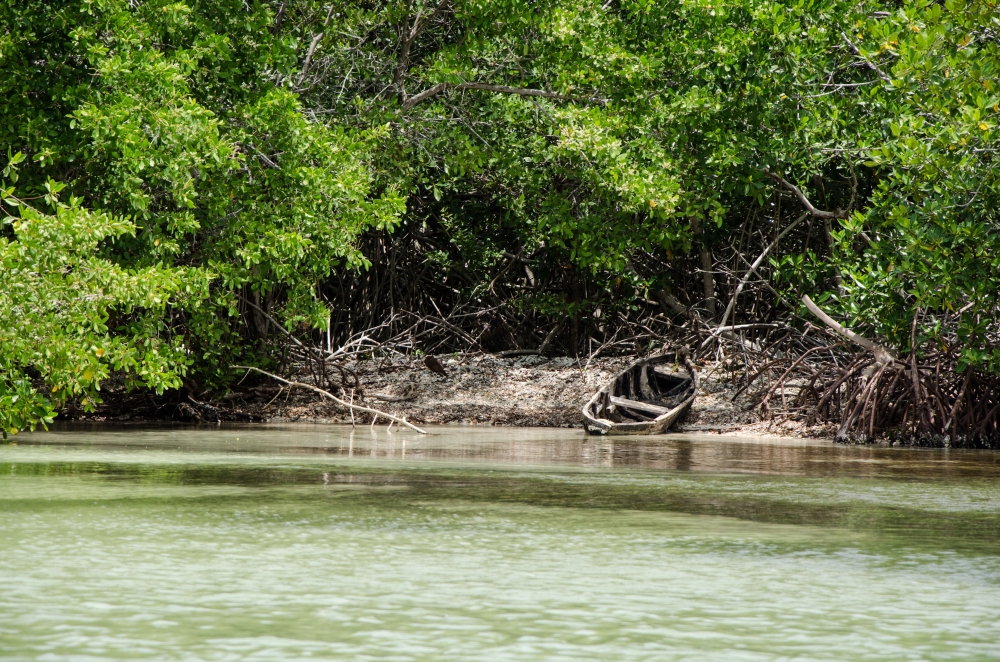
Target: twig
(349, 405)
(274, 398)
(753, 267)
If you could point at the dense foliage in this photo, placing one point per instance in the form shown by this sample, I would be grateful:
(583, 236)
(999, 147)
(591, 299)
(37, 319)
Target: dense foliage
(225, 163)
(162, 122)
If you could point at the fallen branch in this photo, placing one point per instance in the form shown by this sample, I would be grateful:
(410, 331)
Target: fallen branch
(351, 406)
(883, 354)
(517, 352)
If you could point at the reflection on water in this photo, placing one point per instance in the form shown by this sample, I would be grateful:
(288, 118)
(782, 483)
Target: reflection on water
(538, 446)
(289, 542)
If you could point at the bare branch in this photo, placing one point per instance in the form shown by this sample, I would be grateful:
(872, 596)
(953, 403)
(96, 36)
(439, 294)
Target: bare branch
(503, 89)
(279, 18)
(753, 267)
(819, 213)
(273, 321)
(308, 350)
(419, 25)
(426, 94)
(883, 354)
(871, 65)
(670, 304)
(313, 45)
(525, 92)
(351, 406)
(403, 61)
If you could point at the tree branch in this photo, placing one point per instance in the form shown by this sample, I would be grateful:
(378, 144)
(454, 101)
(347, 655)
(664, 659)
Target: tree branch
(401, 421)
(426, 94)
(819, 213)
(670, 304)
(753, 267)
(883, 354)
(403, 61)
(503, 89)
(308, 350)
(871, 65)
(313, 45)
(419, 25)
(279, 18)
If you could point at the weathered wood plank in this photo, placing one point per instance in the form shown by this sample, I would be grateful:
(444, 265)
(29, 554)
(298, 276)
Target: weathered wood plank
(639, 406)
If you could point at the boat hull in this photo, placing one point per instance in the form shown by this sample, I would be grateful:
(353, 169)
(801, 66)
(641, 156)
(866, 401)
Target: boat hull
(644, 409)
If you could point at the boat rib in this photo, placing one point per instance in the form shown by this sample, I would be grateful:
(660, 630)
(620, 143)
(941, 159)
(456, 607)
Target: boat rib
(646, 398)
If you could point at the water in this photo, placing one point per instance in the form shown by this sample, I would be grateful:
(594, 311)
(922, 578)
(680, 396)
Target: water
(288, 543)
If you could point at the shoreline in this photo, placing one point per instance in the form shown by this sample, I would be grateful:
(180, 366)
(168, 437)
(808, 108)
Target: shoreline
(489, 390)
(477, 389)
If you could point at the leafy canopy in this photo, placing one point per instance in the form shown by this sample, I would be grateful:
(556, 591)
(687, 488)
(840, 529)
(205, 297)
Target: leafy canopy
(219, 158)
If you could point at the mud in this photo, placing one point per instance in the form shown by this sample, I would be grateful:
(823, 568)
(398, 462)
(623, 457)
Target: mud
(476, 389)
(484, 389)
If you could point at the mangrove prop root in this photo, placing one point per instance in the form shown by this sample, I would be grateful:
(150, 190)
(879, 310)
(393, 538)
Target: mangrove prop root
(923, 398)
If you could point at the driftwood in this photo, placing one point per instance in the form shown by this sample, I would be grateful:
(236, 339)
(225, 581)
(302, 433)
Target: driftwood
(408, 394)
(349, 405)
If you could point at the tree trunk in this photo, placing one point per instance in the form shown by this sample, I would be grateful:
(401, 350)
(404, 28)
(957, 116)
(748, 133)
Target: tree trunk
(707, 276)
(708, 280)
(575, 297)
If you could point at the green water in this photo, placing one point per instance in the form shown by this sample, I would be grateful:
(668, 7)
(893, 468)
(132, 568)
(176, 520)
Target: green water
(288, 543)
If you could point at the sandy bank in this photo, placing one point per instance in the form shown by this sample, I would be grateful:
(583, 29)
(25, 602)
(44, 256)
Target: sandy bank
(484, 389)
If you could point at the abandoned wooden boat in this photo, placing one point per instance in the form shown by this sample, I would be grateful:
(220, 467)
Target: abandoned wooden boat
(645, 398)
